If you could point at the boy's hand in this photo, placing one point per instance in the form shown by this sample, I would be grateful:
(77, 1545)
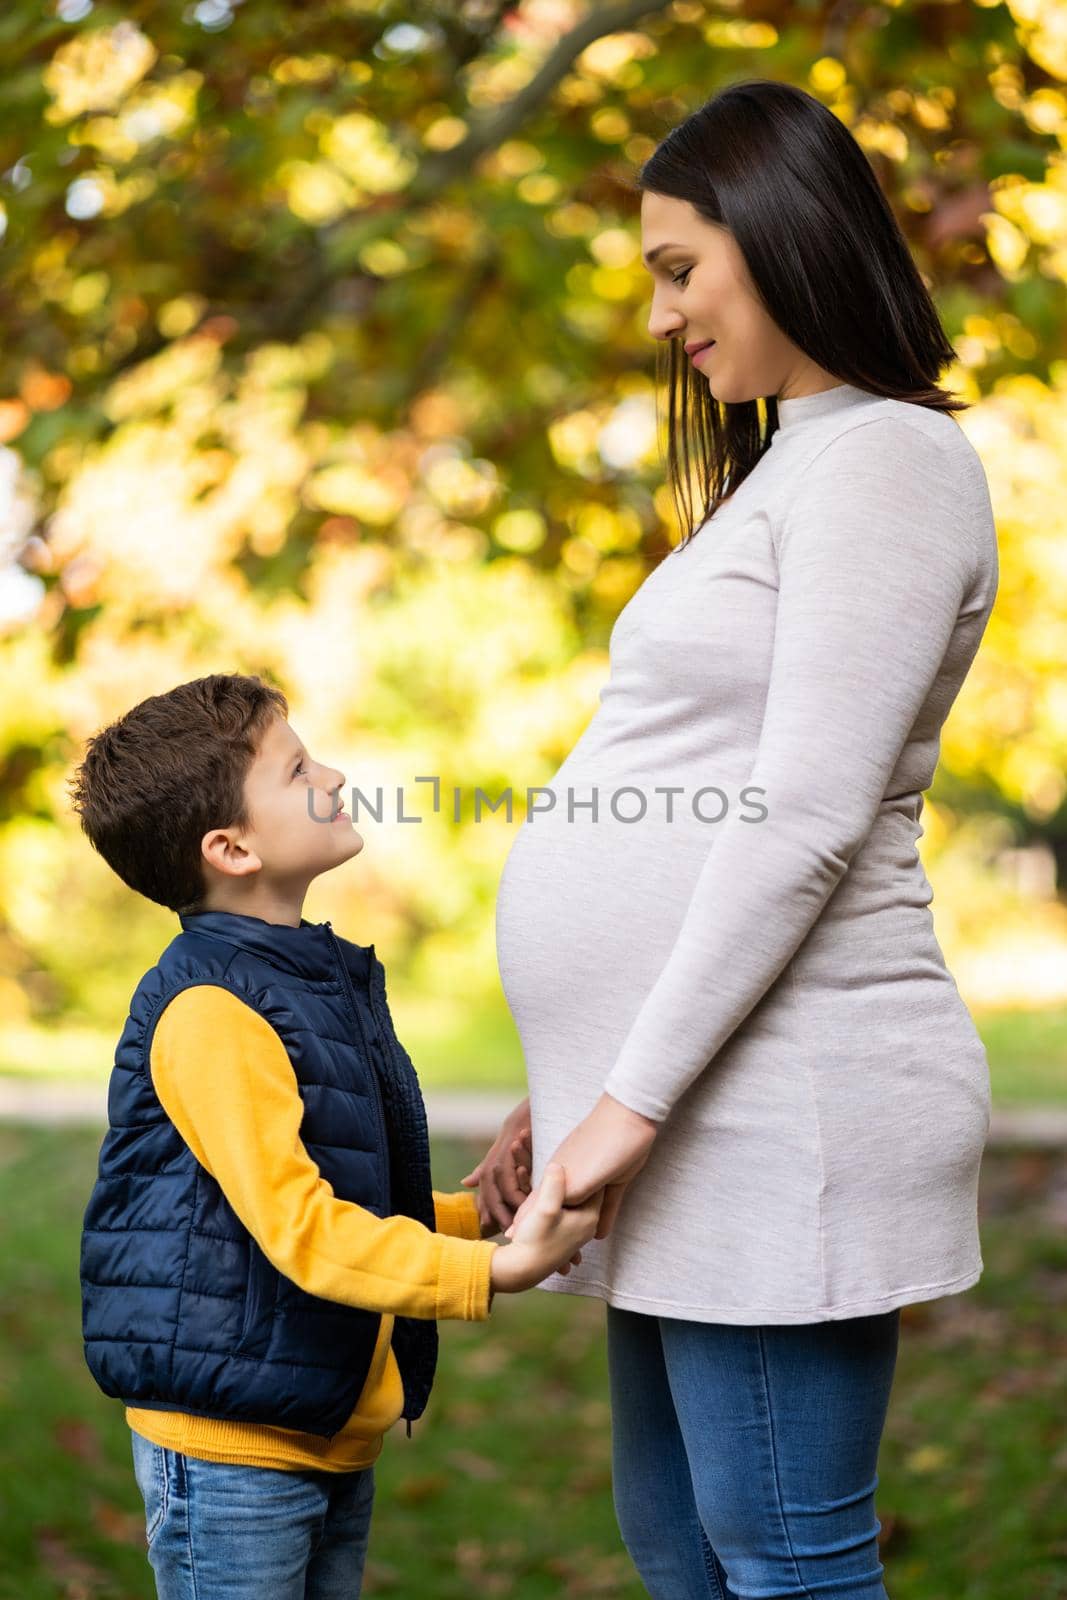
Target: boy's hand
(502, 1177)
(548, 1238)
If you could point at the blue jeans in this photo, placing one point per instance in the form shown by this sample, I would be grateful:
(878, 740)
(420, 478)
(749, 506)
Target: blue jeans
(217, 1531)
(744, 1458)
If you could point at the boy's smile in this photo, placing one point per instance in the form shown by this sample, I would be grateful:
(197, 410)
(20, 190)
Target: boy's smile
(298, 828)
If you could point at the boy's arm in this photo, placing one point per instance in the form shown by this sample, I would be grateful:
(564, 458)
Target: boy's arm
(224, 1078)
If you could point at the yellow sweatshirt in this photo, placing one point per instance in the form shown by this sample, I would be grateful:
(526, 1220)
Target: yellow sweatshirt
(224, 1078)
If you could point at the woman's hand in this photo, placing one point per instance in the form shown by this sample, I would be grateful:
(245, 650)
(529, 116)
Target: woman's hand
(605, 1151)
(502, 1176)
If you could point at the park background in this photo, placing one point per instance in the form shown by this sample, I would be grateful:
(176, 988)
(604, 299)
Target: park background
(325, 356)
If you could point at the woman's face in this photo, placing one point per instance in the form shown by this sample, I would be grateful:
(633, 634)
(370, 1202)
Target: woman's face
(702, 290)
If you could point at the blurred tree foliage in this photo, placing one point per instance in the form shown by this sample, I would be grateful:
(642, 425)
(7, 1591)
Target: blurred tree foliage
(326, 355)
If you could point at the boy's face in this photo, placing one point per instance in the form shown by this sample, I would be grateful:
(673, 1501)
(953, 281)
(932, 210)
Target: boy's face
(297, 827)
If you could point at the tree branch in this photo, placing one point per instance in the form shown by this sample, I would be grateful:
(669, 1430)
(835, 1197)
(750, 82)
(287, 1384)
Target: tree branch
(439, 169)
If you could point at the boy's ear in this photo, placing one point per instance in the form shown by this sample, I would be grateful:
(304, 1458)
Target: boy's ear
(223, 850)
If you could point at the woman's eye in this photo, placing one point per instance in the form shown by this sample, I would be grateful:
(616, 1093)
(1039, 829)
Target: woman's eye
(676, 277)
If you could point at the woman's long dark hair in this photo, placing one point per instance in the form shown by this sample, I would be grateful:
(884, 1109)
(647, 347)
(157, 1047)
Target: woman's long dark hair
(777, 168)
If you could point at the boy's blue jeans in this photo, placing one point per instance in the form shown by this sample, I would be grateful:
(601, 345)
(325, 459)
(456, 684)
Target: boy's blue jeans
(744, 1458)
(222, 1532)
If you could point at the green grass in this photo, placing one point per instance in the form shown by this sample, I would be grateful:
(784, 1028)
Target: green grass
(505, 1487)
(459, 1047)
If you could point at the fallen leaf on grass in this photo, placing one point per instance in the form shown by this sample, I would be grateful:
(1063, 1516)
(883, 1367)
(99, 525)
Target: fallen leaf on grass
(474, 1466)
(76, 1578)
(78, 1439)
(486, 1361)
(461, 1414)
(1030, 1172)
(1013, 1381)
(470, 1556)
(379, 1577)
(590, 1572)
(489, 1569)
(121, 1527)
(894, 1530)
(591, 1480)
(414, 1491)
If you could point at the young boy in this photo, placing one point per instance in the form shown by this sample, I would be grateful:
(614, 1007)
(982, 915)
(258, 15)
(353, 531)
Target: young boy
(263, 1258)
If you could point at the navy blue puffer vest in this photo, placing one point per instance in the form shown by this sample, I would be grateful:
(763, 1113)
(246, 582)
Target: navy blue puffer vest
(181, 1310)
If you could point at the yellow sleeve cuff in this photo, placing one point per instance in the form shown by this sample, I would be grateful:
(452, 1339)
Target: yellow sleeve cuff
(464, 1278)
(457, 1214)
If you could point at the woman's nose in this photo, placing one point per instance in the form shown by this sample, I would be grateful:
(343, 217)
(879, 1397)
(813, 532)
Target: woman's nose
(661, 334)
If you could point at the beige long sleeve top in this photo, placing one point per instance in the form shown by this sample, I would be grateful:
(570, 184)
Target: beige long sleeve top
(759, 973)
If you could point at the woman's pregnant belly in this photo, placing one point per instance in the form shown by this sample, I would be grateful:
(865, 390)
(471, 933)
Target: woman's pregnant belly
(587, 913)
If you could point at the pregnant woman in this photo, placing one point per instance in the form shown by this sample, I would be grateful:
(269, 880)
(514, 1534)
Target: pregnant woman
(717, 943)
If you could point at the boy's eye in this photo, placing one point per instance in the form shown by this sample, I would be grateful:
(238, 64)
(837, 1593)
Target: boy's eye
(676, 277)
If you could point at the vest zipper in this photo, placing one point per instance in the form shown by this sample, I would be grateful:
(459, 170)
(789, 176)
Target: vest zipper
(377, 1086)
(379, 1102)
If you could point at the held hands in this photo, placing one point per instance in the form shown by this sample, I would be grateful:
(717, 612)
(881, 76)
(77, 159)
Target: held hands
(546, 1237)
(603, 1154)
